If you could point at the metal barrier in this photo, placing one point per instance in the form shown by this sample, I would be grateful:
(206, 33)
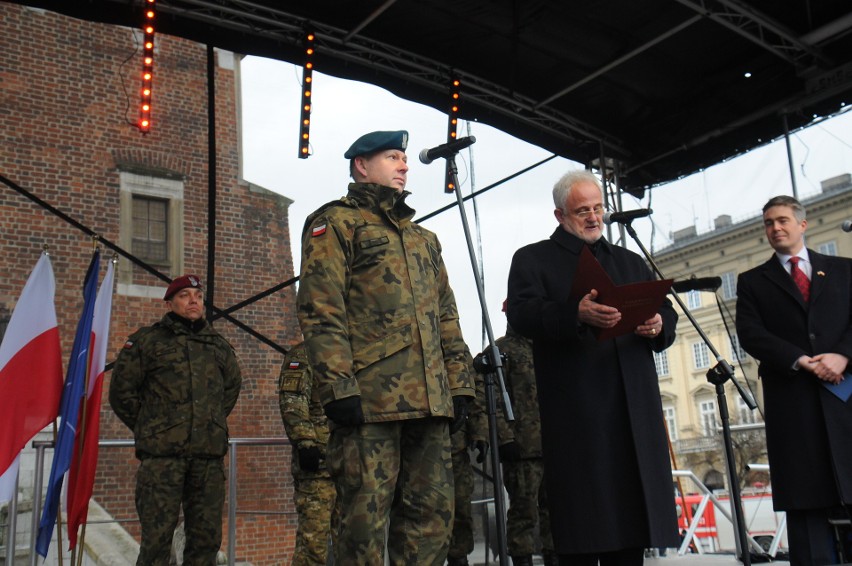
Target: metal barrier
(235, 443)
(708, 497)
(40, 446)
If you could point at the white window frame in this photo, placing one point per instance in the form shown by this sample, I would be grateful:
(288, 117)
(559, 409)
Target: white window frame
(729, 285)
(737, 351)
(700, 355)
(661, 363)
(746, 415)
(670, 416)
(172, 190)
(693, 299)
(707, 413)
(828, 248)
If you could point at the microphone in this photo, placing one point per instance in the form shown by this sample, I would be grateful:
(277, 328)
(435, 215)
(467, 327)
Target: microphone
(627, 216)
(846, 226)
(697, 284)
(427, 156)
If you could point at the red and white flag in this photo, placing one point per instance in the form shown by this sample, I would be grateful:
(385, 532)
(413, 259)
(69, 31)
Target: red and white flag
(81, 478)
(30, 371)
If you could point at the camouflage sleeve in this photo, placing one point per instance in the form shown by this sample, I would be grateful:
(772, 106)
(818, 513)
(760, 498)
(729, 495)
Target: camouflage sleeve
(233, 380)
(458, 368)
(478, 417)
(294, 395)
(126, 382)
(321, 303)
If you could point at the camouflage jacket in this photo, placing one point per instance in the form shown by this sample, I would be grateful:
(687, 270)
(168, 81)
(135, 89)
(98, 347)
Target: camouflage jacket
(304, 420)
(377, 311)
(174, 388)
(523, 394)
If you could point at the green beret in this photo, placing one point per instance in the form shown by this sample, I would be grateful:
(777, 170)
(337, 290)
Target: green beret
(377, 141)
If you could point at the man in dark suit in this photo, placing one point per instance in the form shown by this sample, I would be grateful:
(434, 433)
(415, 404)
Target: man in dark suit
(794, 315)
(606, 465)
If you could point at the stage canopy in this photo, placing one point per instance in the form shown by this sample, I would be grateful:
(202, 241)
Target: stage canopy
(662, 87)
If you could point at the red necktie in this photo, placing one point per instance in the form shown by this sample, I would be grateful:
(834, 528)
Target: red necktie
(799, 278)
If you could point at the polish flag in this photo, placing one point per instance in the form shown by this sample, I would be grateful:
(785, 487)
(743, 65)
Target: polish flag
(81, 478)
(30, 371)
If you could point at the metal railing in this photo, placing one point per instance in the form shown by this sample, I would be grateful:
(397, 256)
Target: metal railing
(41, 445)
(234, 448)
(698, 515)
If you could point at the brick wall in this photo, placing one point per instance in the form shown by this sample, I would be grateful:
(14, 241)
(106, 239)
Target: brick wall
(68, 90)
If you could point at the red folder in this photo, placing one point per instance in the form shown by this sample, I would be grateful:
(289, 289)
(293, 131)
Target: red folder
(637, 302)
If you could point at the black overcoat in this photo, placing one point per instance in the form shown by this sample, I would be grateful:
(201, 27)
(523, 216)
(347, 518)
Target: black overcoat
(607, 469)
(808, 430)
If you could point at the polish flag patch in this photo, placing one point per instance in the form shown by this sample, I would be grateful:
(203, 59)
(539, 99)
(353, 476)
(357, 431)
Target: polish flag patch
(318, 230)
(294, 365)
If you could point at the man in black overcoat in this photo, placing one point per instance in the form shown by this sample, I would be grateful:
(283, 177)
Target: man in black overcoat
(607, 470)
(803, 341)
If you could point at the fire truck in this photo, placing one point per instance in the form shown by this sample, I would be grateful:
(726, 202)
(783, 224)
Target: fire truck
(714, 532)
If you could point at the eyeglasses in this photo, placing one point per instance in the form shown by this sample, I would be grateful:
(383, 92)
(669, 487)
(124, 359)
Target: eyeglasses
(585, 212)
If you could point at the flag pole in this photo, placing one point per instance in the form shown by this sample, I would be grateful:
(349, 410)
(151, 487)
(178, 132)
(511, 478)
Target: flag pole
(69, 411)
(58, 515)
(82, 435)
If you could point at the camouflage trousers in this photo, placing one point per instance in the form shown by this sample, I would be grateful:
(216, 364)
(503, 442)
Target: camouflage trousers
(314, 498)
(524, 481)
(394, 479)
(162, 486)
(461, 542)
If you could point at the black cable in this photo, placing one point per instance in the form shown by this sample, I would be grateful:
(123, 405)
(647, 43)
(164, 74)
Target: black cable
(736, 350)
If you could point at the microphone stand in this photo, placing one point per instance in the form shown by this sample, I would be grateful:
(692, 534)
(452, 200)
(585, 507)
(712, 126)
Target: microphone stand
(717, 375)
(495, 370)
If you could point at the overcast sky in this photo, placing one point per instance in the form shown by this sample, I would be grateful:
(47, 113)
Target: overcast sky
(507, 217)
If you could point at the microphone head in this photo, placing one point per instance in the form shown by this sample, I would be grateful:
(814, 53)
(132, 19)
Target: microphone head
(626, 216)
(424, 157)
(697, 284)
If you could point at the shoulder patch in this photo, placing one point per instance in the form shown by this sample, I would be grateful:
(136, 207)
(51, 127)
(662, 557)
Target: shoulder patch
(290, 383)
(128, 344)
(318, 230)
(318, 213)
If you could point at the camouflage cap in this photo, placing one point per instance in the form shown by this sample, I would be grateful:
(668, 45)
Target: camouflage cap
(182, 282)
(377, 141)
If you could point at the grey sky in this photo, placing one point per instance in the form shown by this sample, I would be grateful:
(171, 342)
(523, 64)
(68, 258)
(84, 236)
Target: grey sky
(510, 216)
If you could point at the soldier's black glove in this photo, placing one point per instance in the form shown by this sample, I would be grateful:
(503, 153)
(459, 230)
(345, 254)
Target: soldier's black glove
(459, 413)
(481, 448)
(346, 411)
(309, 457)
(510, 452)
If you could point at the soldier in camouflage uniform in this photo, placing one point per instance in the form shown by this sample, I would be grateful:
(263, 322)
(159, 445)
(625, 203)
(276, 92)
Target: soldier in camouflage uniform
(383, 338)
(473, 434)
(307, 429)
(174, 385)
(520, 454)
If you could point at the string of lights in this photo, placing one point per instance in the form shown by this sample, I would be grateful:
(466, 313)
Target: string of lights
(307, 85)
(147, 67)
(452, 129)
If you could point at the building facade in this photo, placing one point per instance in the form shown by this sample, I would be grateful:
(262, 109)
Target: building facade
(69, 99)
(690, 401)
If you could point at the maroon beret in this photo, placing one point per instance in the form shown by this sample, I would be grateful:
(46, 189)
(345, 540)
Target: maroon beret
(182, 282)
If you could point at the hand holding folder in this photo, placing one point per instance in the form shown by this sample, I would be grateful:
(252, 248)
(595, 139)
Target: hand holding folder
(637, 302)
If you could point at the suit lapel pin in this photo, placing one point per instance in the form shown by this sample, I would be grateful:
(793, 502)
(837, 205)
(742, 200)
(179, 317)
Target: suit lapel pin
(821, 273)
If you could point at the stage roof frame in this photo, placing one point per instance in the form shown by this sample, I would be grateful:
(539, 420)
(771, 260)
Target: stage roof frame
(664, 87)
